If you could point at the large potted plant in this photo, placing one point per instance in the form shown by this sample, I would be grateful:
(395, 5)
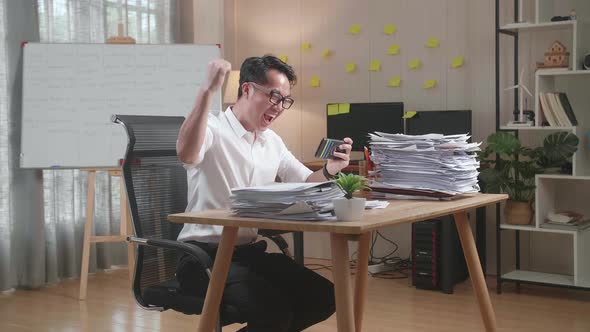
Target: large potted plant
(349, 207)
(513, 171)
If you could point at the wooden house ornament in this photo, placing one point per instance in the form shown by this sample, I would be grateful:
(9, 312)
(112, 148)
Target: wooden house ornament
(556, 56)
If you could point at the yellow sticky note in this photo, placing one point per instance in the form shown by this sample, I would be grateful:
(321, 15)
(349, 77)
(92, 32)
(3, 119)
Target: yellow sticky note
(432, 42)
(394, 82)
(414, 63)
(306, 46)
(393, 49)
(343, 108)
(355, 29)
(350, 67)
(390, 29)
(326, 53)
(457, 62)
(314, 82)
(375, 65)
(429, 84)
(283, 58)
(409, 114)
(332, 109)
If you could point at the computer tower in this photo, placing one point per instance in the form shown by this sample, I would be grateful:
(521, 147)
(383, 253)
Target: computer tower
(437, 256)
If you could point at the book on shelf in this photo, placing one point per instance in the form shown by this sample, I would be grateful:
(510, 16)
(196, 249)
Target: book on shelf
(565, 103)
(567, 220)
(557, 110)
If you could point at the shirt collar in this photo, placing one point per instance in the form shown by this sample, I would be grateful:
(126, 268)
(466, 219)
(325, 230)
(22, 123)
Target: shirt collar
(239, 129)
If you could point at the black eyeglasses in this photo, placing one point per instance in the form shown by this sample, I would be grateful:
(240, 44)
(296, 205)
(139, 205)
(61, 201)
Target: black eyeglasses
(274, 96)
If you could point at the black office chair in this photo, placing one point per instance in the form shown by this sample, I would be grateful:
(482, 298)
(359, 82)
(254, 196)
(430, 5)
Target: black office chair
(156, 185)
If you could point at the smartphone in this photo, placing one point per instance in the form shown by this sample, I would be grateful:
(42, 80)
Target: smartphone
(327, 148)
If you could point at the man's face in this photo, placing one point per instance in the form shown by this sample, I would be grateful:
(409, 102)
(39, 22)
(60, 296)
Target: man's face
(263, 113)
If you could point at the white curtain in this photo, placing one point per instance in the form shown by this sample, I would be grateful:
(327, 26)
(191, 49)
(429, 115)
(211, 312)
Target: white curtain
(6, 276)
(41, 242)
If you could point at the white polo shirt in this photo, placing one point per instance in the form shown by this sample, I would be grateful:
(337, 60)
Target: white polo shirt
(232, 157)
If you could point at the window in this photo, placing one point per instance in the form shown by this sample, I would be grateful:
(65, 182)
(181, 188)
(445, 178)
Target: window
(93, 21)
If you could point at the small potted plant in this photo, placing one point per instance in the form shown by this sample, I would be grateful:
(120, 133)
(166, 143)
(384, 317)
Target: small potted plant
(513, 172)
(349, 208)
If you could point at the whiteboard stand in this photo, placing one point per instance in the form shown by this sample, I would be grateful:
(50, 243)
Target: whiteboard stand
(125, 229)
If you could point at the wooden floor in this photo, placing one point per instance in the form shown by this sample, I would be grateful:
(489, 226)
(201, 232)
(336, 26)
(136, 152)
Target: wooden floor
(393, 305)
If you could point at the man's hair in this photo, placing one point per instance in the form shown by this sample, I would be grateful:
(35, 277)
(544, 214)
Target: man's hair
(254, 69)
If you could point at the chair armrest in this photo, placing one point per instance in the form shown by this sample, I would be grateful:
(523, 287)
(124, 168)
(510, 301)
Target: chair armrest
(202, 257)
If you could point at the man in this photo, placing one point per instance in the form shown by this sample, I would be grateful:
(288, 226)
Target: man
(236, 149)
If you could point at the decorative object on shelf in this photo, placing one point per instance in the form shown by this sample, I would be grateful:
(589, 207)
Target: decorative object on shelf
(561, 18)
(350, 208)
(573, 15)
(566, 220)
(586, 64)
(529, 117)
(513, 172)
(556, 56)
(521, 121)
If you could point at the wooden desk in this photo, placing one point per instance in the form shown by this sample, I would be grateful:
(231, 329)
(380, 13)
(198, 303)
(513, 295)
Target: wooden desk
(349, 308)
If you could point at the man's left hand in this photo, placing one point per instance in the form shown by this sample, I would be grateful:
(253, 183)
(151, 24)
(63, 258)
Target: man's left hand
(342, 158)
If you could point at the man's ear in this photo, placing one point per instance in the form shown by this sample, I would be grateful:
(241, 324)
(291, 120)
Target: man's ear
(246, 89)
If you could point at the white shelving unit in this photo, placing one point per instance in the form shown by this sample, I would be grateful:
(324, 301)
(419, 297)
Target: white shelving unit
(561, 192)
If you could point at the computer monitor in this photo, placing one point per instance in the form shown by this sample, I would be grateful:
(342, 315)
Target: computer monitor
(439, 122)
(365, 118)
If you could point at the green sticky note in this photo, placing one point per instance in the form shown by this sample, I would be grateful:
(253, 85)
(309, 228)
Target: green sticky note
(314, 82)
(409, 114)
(326, 53)
(390, 29)
(332, 109)
(306, 46)
(432, 43)
(414, 64)
(429, 84)
(350, 67)
(354, 29)
(283, 58)
(343, 108)
(393, 49)
(375, 65)
(457, 62)
(394, 82)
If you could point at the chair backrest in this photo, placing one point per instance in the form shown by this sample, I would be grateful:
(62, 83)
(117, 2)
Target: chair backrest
(156, 186)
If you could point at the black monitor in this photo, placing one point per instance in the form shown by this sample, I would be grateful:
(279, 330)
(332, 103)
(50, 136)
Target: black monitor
(364, 118)
(439, 122)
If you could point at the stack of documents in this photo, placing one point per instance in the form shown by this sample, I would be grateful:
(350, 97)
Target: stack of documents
(427, 164)
(293, 201)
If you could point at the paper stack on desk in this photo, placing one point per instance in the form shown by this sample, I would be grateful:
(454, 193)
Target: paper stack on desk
(433, 164)
(293, 201)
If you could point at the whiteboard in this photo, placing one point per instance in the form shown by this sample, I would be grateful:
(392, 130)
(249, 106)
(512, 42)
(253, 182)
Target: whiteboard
(70, 92)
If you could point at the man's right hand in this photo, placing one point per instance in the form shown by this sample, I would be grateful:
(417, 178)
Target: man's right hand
(217, 70)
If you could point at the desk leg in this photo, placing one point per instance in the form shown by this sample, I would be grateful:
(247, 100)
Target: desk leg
(360, 289)
(475, 271)
(218, 277)
(342, 287)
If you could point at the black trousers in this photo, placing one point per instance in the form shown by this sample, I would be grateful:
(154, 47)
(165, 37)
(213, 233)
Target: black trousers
(272, 291)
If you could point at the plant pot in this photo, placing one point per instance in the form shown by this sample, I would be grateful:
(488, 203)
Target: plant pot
(518, 213)
(349, 209)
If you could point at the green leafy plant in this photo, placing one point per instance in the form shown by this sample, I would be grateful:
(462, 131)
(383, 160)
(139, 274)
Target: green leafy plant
(350, 183)
(513, 172)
